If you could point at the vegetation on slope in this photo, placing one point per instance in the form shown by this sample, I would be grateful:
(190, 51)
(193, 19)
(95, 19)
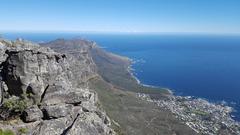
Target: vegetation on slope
(116, 89)
(136, 117)
(115, 70)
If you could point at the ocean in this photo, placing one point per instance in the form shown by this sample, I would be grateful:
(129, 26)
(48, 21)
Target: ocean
(205, 66)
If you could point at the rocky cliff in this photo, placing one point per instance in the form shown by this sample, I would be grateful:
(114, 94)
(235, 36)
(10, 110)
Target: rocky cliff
(117, 88)
(45, 93)
(139, 110)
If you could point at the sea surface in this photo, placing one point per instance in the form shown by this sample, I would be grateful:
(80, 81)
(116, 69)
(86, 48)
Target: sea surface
(205, 66)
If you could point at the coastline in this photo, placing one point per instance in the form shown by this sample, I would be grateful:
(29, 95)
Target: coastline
(131, 70)
(224, 112)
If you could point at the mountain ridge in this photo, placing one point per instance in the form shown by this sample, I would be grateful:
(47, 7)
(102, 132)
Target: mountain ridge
(117, 93)
(45, 92)
(69, 87)
(139, 109)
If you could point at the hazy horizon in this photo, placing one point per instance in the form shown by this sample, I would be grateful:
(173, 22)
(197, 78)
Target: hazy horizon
(121, 16)
(120, 33)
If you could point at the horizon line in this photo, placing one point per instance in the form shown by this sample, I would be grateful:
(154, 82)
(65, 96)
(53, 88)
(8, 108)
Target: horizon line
(117, 32)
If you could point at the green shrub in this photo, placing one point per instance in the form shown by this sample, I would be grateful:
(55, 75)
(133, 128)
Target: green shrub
(6, 132)
(22, 131)
(12, 107)
(15, 105)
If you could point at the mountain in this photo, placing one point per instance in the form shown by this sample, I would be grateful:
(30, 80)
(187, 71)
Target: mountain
(117, 88)
(72, 87)
(45, 93)
(136, 109)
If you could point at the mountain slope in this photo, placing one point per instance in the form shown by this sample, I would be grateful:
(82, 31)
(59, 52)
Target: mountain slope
(117, 93)
(46, 93)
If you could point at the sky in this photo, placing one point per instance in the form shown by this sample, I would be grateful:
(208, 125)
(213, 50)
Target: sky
(197, 16)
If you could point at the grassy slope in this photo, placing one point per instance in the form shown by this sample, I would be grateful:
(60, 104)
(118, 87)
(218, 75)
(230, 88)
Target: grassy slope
(115, 71)
(136, 117)
(117, 93)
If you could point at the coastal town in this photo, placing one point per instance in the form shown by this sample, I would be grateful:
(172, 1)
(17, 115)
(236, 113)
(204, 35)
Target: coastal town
(200, 115)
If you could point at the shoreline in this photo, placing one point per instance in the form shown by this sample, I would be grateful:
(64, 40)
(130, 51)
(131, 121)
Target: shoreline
(197, 113)
(131, 70)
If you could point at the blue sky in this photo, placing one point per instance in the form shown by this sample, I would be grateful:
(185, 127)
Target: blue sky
(203, 16)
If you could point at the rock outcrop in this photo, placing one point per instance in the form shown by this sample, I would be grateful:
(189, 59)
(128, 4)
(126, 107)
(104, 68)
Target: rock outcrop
(80, 50)
(54, 89)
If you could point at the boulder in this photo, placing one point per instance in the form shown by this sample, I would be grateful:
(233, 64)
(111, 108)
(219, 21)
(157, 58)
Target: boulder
(32, 114)
(57, 111)
(91, 125)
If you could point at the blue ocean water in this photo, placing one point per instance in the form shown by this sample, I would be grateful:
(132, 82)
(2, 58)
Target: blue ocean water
(206, 66)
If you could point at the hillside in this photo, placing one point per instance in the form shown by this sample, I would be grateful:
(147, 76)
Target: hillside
(45, 93)
(67, 90)
(139, 110)
(117, 90)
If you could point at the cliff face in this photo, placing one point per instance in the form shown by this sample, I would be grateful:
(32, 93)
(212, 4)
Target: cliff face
(51, 91)
(136, 109)
(100, 60)
(79, 49)
(117, 92)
